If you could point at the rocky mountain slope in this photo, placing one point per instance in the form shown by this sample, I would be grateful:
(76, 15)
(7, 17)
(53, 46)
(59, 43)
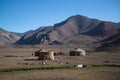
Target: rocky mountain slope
(113, 41)
(7, 37)
(75, 30)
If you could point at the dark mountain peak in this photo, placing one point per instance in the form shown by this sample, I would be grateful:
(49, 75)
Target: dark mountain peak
(78, 17)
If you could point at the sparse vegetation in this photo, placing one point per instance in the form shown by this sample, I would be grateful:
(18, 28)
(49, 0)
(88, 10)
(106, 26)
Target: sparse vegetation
(18, 63)
(41, 67)
(97, 73)
(51, 67)
(106, 65)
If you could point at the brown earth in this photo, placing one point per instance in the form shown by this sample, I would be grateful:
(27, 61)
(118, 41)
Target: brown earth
(17, 56)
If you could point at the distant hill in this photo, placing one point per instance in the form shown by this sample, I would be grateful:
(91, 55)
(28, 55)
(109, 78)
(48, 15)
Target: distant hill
(7, 37)
(76, 30)
(22, 34)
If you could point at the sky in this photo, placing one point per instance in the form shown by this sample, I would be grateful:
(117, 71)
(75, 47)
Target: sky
(24, 15)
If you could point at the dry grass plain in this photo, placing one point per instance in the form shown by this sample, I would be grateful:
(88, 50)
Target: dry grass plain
(20, 56)
(65, 74)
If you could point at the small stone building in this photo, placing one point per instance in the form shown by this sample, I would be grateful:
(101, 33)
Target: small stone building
(44, 55)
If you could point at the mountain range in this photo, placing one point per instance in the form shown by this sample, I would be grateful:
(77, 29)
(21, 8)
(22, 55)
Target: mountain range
(75, 30)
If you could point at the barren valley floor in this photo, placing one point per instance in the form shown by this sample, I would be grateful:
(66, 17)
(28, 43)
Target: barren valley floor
(14, 59)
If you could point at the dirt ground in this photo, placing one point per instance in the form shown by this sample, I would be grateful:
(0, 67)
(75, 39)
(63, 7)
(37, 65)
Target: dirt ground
(20, 56)
(65, 74)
